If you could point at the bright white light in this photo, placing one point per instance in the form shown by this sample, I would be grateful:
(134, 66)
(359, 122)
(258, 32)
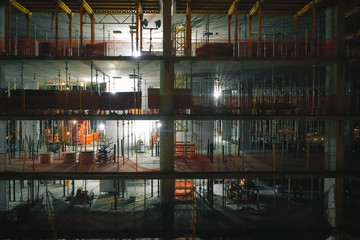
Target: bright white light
(159, 125)
(102, 126)
(68, 133)
(75, 122)
(217, 94)
(136, 54)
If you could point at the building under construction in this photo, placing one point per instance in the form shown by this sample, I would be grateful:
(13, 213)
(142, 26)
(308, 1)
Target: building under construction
(179, 119)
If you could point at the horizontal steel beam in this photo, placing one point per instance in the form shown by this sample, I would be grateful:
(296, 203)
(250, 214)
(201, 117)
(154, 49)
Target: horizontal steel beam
(180, 175)
(319, 61)
(180, 117)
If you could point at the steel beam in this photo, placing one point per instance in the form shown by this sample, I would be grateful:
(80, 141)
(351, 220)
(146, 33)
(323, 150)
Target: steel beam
(20, 7)
(182, 117)
(256, 7)
(179, 175)
(306, 8)
(87, 7)
(65, 8)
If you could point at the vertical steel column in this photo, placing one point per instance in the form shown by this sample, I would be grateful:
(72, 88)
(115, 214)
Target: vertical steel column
(296, 52)
(236, 49)
(167, 126)
(250, 40)
(8, 30)
(313, 51)
(137, 26)
(340, 109)
(141, 32)
(259, 50)
(188, 29)
(57, 30)
(81, 13)
(27, 50)
(229, 29)
(92, 28)
(70, 33)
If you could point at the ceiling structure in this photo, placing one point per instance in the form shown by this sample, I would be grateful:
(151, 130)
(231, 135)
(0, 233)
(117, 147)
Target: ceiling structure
(111, 15)
(154, 6)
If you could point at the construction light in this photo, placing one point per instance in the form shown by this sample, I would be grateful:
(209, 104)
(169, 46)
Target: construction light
(101, 127)
(63, 6)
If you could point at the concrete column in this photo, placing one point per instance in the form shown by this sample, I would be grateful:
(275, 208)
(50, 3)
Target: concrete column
(3, 183)
(2, 27)
(167, 126)
(3, 83)
(334, 129)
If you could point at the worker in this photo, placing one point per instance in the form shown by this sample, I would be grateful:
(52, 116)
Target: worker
(91, 197)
